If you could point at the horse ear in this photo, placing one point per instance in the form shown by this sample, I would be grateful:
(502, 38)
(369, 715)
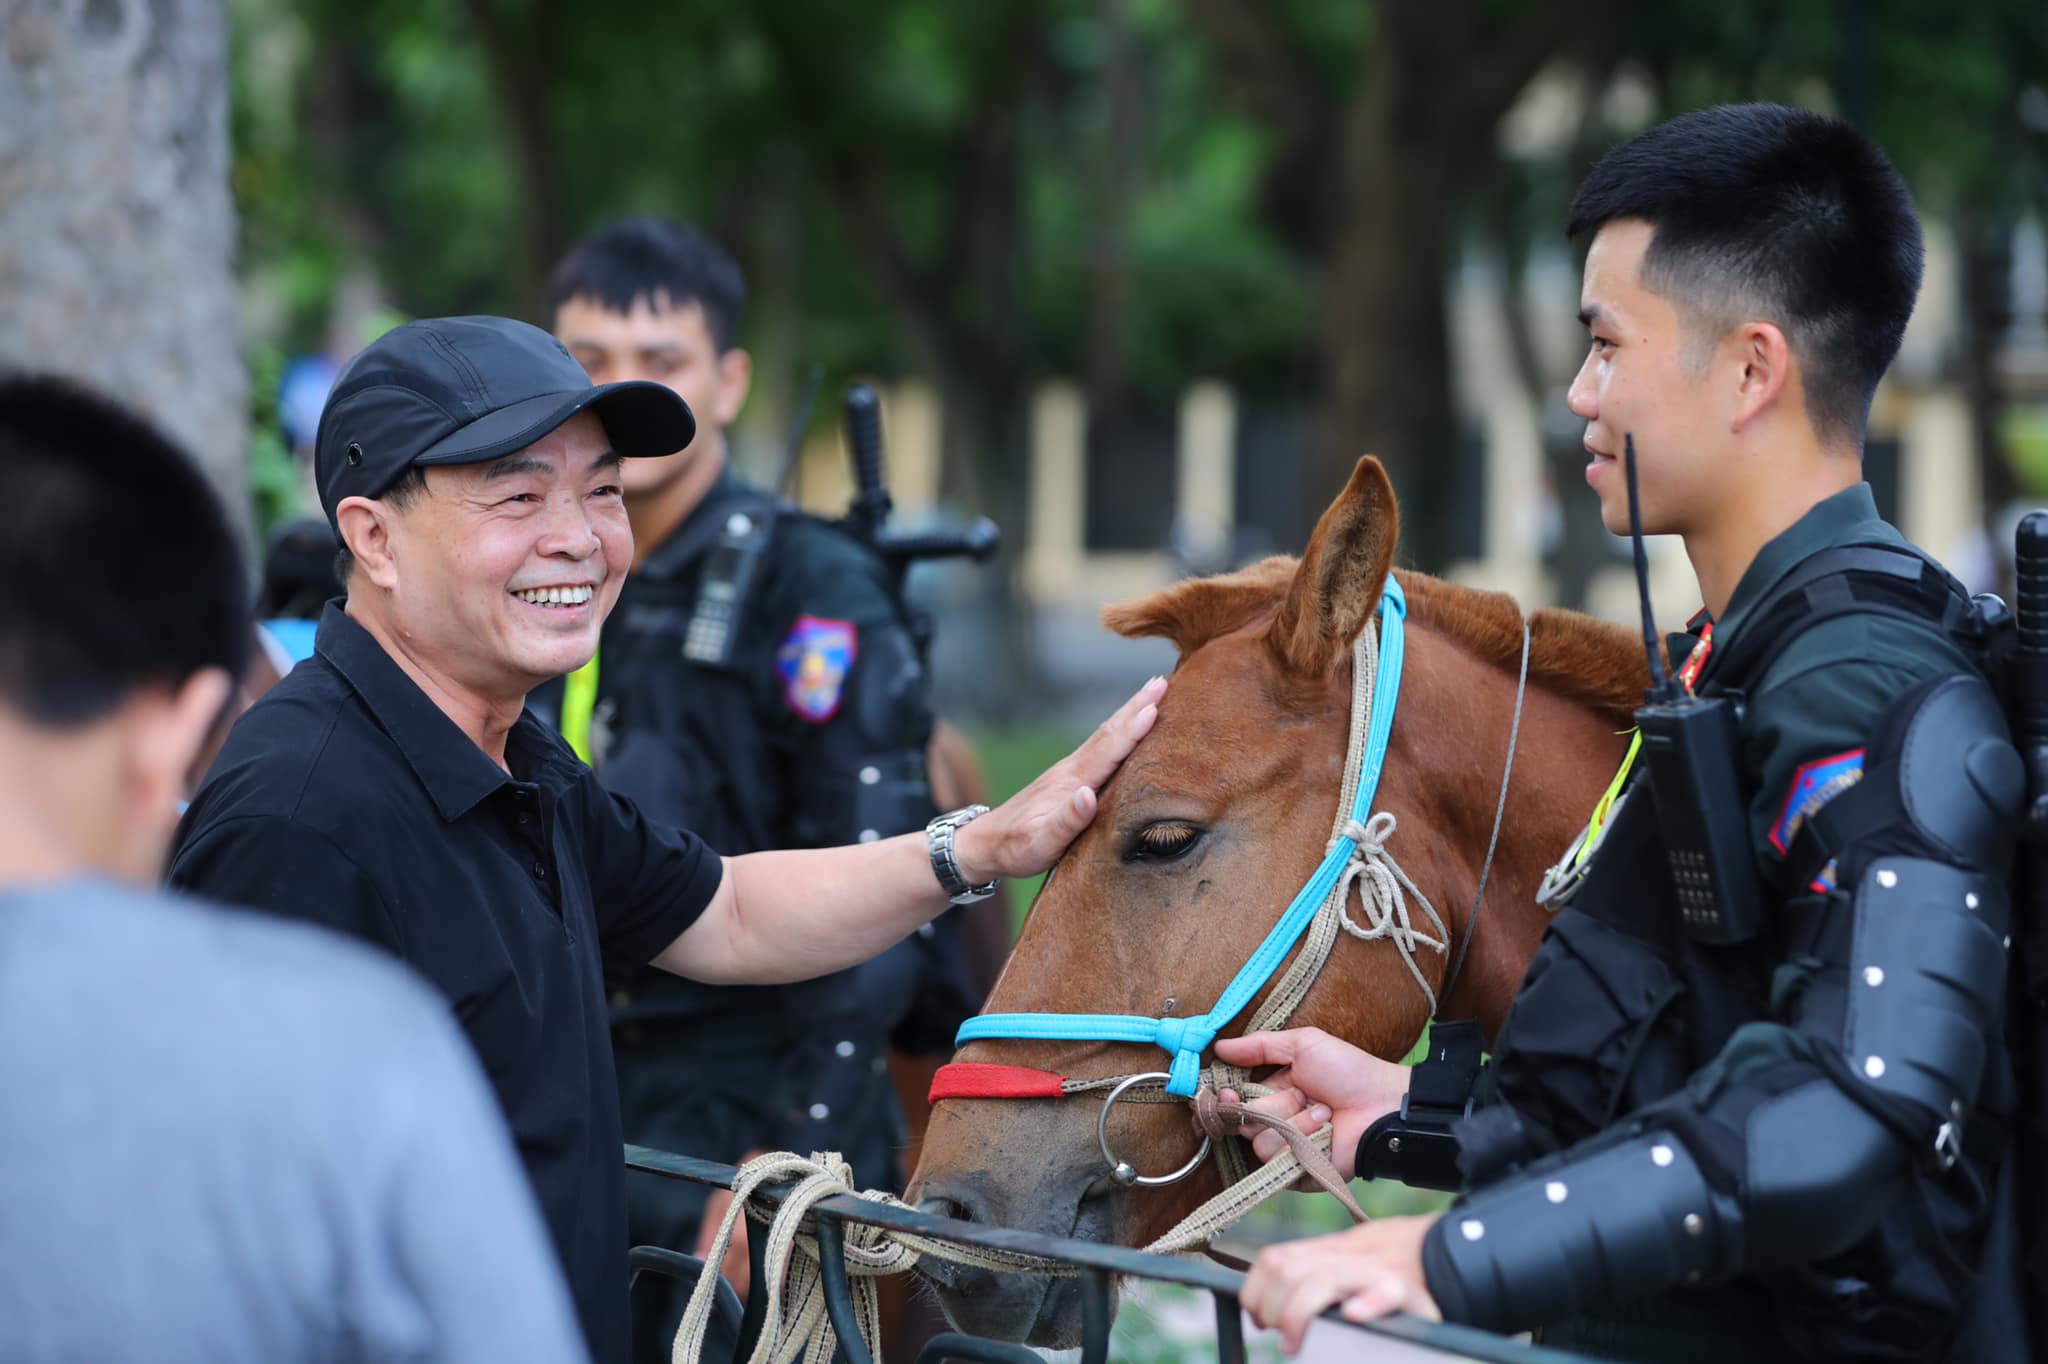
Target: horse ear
(1194, 612)
(1337, 588)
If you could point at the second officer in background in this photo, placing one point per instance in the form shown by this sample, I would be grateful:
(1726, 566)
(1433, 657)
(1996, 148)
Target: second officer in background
(758, 685)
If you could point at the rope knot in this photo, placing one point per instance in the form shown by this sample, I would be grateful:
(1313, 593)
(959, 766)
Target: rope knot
(1214, 1119)
(1179, 1035)
(1383, 894)
(1371, 836)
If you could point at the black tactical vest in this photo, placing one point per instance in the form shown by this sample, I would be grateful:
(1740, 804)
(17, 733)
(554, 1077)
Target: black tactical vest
(1621, 1009)
(700, 764)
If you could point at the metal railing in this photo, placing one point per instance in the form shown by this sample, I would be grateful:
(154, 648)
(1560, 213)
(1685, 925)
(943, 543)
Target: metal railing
(1410, 1337)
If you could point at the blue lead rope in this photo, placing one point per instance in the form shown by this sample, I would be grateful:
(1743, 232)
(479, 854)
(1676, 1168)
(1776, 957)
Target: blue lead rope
(1185, 1039)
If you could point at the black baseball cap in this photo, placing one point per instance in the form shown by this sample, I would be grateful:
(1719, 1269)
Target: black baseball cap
(463, 390)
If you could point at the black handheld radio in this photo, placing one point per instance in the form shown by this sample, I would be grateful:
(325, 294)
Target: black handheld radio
(1690, 744)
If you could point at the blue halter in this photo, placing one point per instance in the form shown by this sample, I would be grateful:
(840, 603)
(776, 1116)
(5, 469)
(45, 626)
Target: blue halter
(1187, 1038)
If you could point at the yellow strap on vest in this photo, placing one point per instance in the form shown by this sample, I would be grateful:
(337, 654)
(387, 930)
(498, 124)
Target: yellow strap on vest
(579, 700)
(1600, 811)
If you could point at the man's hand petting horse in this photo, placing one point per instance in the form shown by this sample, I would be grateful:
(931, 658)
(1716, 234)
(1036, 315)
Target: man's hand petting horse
(1368, 1271)
(1321, 1079)
(1027, 833)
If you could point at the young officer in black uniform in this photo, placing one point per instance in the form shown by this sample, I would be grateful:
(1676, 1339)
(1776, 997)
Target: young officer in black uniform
(1759, 1118)
(757, 685)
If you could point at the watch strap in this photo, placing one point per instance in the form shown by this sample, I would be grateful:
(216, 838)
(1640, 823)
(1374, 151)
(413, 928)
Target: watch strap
(939, 835)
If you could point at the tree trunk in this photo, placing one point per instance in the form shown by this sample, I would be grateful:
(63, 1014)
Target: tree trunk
(1385, 347)
(1985, 259)
(1408, 147)
(1116, 173)
(116, 230)
(520, 52)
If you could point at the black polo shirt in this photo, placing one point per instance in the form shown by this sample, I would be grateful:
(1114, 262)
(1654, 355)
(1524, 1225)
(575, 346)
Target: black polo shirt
(346, 797)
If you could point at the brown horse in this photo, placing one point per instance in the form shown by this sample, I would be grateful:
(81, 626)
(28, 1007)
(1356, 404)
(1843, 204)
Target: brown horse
(1221, 814)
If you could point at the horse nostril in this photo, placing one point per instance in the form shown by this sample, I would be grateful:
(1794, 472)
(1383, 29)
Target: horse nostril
(944, 1207)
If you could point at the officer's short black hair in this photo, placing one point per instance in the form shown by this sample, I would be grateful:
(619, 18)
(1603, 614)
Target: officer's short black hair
(665, 262)
(1774, 214)
(122, 570)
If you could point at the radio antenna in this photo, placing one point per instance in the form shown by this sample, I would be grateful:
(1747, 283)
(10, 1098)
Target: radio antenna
(793, 447)
(1660, 681)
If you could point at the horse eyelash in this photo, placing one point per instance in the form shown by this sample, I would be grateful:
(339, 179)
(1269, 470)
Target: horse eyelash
(1165, 838)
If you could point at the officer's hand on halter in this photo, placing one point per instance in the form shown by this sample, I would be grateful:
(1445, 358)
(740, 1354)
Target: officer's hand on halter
(1027, 833)
(1321, 1079)
(1367, 1272)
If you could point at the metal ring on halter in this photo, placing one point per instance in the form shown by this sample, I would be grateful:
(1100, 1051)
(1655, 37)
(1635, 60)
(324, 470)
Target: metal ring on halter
(1123, 1172)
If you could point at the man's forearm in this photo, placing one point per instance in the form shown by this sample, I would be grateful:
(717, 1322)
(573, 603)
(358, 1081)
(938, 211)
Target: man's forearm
(803, 913)
(781, 916)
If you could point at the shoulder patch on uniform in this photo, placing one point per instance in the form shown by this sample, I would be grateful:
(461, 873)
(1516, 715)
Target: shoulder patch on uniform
(1814, 784)
(814, 659)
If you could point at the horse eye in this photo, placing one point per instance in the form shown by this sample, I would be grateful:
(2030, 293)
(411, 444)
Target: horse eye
(1164, 842)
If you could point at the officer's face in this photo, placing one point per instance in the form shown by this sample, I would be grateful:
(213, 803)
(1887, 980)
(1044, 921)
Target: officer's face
(666, 345)
(502, 574)
(1638, 379)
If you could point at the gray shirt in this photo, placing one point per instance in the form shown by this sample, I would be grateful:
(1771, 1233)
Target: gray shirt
(225, 1138)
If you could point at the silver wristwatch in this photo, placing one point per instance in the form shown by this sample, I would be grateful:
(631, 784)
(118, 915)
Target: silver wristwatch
(939, 834)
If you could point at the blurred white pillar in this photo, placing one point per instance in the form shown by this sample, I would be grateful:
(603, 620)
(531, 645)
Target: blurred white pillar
(1491, 394)
(824, 479)
(911, 416)
(1612, 593)
(1205, 514)
(1939, 491)
(1059, 484)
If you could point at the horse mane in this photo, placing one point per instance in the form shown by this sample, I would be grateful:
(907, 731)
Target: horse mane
(1588, 661)
(1583, 659)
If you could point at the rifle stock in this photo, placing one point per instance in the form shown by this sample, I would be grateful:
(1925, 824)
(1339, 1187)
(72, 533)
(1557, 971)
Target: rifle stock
(868, 517)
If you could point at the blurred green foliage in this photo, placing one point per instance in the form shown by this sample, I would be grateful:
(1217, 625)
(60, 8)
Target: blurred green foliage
(2026, 436)
(383, 133)
(273, 471)
(1135, 192)
(1011, 759)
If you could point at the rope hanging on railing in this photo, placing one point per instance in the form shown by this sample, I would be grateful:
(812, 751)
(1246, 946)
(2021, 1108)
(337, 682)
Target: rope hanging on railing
(796, 1326)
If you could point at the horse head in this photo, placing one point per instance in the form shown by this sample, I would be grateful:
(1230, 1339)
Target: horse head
(1218, 817)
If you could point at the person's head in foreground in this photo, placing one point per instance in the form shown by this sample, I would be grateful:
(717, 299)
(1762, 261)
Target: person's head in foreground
(122, 634)
(1750, 275)
(472, 475)
(654, 299)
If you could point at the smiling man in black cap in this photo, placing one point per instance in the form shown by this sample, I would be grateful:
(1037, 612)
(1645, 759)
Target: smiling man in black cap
(393, 786)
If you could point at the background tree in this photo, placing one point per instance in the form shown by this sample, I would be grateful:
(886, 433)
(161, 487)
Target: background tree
(116, 229)
(1380, 119)
(1134, 193)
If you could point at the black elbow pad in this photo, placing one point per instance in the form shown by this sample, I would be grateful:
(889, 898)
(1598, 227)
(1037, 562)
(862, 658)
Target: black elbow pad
(1549, 1243)
(1926, 987)
(1819, 1170)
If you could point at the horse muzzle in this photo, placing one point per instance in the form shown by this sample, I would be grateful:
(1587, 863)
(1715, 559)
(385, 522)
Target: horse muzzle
(1032, 1309)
